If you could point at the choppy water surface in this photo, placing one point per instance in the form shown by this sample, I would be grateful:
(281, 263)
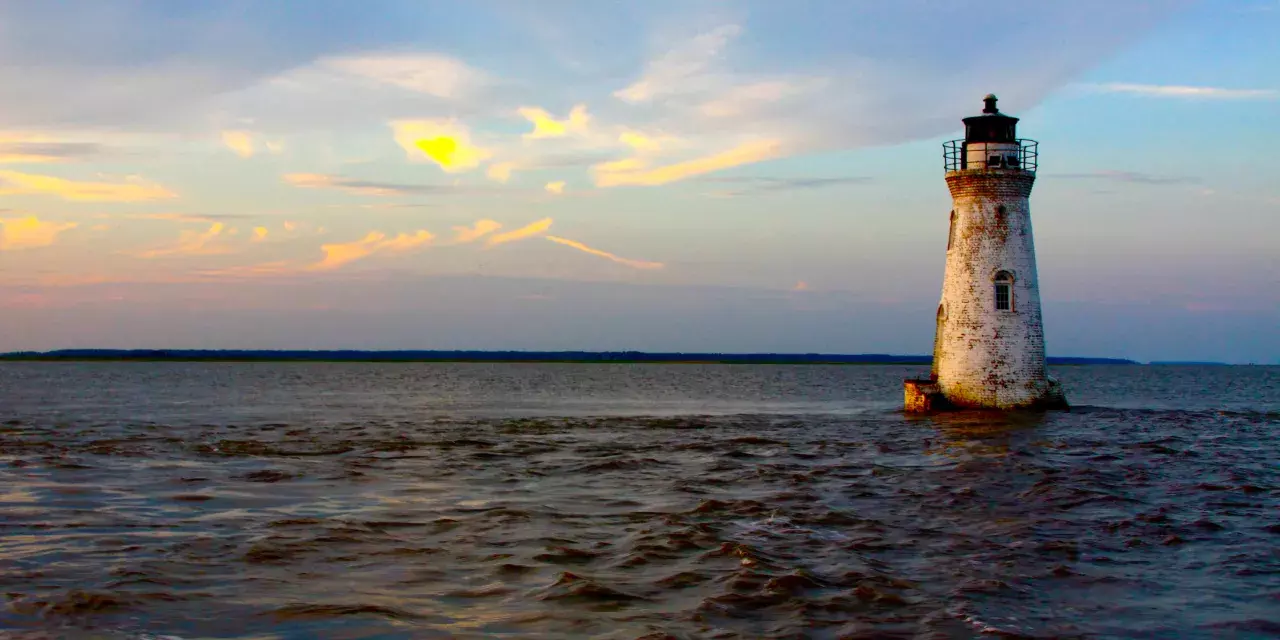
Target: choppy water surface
(642, 501)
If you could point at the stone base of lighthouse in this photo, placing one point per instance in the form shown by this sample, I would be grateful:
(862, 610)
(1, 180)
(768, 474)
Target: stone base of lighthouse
(926, 396)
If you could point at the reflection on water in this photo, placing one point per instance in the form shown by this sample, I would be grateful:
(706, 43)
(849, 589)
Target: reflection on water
(558, 501)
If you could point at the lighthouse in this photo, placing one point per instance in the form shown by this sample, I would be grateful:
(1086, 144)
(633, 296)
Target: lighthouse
(988, 350)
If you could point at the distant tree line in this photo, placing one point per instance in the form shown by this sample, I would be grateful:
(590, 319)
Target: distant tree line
(239, 355)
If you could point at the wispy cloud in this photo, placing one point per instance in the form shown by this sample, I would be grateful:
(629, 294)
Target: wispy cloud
(447, 143)
(339, 254)
(635, 264)
(529, 230)
(132, 190)
(274, 268)
(260, 233)
(436, 75)
(752, 185)
(180, 217)
(384, 189)
(240, 142)
(191, 243)
(678, 68)
(1182, 91)
(555, 187)
(546, 126)
(30, 232)
(464, 235)
(351, 185)
(38, 149)
(635, 171)
(500, 171)
(1132, 177)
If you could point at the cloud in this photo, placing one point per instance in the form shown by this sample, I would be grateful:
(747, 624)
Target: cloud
(241, 142)
(678, 69)
(382, 189)
(463, 235)
(636, 264)
(360, 187)
(289, 225)
(526, 231)
(260, 234)
(37, 149)
(753, 185)
(444, 142)
(1180, 91)
(436, 75)
(635, 172)
(133, 190)
(500, 171)
(339, 254)
(1132, 177)
(30, 232)
(739, 100)
(801, 286)
(545, 126)
(555, 187)
(181, 217)
(639, 141)
(275, 268)
(191, 243)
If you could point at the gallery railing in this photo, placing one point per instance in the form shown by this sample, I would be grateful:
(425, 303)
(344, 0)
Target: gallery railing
(955, 156)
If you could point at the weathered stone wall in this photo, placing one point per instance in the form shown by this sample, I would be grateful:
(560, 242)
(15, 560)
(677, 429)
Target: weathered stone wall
(986, 357)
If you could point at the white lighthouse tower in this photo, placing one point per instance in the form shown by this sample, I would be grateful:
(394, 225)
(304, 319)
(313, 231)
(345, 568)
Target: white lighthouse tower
(988, 351)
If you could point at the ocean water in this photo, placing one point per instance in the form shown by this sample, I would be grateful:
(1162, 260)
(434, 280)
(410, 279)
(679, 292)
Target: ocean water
(317, 500)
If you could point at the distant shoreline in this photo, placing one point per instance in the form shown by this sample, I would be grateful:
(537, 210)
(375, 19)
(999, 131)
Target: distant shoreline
(508, 357)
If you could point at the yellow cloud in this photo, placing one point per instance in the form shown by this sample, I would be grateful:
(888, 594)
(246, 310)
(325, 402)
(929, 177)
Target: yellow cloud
(133, 190)
(191, 243)
(289, 225)
(637, 264)
(241, 142)
(405, 242)
(545, 126)
(482, 228)
(444, 142)
(555, 187)
(260, 234)
(500, 171)
(339, 254)
(526, 231)
(639, 141)
(632, 171)
(30, 232)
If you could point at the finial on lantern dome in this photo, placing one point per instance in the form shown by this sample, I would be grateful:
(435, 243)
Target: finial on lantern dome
(989, 104)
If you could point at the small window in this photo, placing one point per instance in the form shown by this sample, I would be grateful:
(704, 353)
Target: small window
(1012, 161)
(993, 162)
(1004, 291)
(951, 233)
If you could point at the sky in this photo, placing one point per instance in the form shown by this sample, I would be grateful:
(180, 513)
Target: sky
(667, 175)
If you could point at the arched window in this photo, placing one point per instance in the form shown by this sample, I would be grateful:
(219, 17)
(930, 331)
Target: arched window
(1004, 291)
(951, 233)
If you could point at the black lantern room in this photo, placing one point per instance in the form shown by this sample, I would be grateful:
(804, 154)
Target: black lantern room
(991, 126)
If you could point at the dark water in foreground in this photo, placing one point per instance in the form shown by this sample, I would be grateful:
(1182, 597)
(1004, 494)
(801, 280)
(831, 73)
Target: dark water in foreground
(142, 500)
